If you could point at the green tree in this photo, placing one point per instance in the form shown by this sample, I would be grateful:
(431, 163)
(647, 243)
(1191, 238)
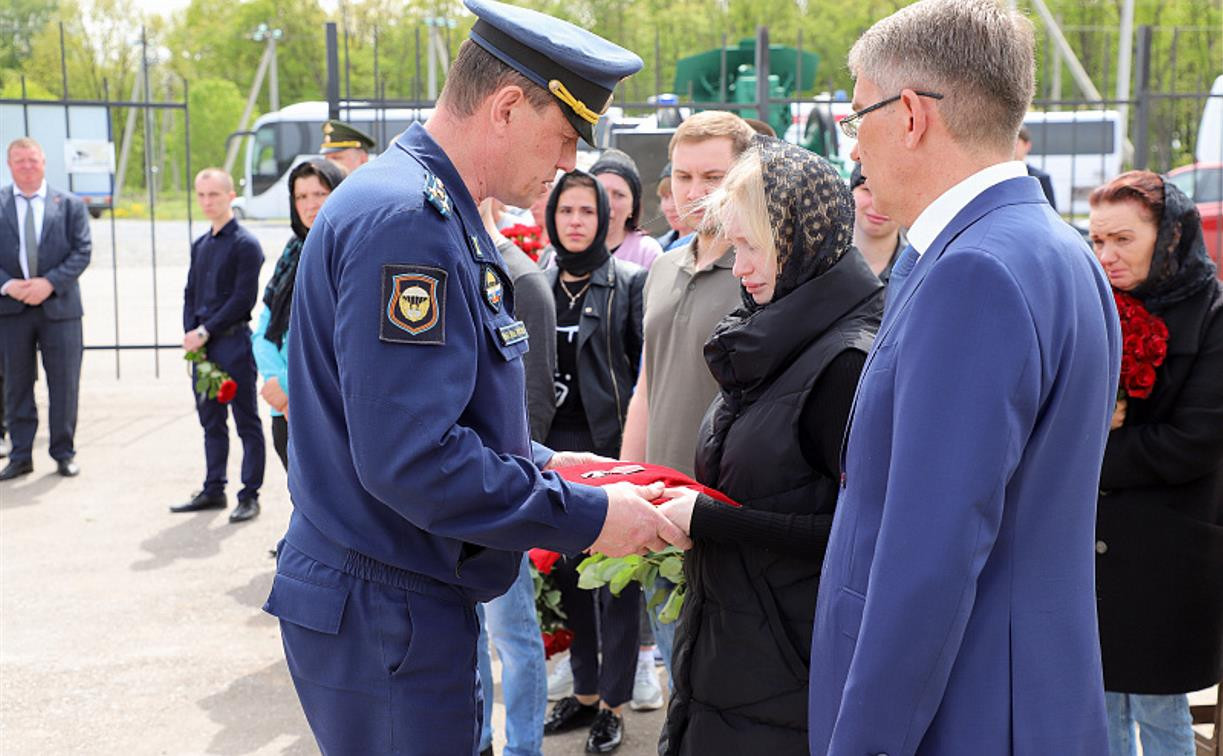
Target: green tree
(20, 21)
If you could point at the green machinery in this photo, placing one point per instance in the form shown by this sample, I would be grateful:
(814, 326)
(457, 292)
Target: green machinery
(730, 76)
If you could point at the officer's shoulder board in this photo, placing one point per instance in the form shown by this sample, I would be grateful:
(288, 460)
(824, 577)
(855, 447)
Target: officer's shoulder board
(413, 305)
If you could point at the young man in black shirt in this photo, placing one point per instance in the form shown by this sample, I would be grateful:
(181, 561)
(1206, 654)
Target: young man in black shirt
(222, 287)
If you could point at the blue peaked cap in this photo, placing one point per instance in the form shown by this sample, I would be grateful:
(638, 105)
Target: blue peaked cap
(581, 69)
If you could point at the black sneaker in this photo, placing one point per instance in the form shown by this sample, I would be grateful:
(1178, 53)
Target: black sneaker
(570, 714)
(606, 733)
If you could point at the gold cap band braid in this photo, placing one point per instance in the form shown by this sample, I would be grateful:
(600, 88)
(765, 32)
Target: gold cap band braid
(342, 145)
(579, 107)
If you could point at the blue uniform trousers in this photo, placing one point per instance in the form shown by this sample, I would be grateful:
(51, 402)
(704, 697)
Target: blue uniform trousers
(232, 353)
(383, 660)
(22, 337)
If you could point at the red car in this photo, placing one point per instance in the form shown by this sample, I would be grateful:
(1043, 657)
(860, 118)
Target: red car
(1203, 183)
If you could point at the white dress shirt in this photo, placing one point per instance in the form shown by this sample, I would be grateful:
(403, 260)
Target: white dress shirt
(39, 201)
(943, 210)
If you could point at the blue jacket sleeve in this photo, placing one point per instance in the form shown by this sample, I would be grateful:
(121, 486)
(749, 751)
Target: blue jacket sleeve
(967, 395)
(269, 359)
(248, 258)
(410, 410)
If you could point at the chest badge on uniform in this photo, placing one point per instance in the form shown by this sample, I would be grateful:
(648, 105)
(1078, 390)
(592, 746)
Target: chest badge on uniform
(435, 192)
(414, 309)
(493, 290)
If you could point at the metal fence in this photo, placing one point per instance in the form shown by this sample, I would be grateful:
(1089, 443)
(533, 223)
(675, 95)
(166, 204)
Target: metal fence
(39, 118)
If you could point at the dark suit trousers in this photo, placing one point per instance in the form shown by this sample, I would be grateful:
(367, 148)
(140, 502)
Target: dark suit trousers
(600, 622)
(232, 353)
(22, 337)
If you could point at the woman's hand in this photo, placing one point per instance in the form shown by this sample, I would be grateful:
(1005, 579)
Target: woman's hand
(274, 395)
(1118, 415)
(679, 509)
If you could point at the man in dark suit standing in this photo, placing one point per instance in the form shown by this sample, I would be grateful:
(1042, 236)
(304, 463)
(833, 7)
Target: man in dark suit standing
(44, 247)
(222, 288)
(1023, 145)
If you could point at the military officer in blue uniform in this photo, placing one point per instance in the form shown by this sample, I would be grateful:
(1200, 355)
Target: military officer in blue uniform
(414, 481)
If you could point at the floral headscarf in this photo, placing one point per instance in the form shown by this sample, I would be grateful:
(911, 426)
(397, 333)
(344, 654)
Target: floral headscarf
(811, 212)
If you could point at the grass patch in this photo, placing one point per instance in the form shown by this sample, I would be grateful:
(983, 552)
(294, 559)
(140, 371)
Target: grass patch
(169, 206)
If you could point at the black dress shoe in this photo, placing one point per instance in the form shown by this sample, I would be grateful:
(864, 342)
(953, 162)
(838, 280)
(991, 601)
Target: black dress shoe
(569, 714)
(487, 751)
(246, 509)
(68, 468)
(15, 469)
(201, 501)
(606, 733)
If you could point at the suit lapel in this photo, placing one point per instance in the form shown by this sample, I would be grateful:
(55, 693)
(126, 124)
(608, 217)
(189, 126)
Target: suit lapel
(53, 207)
(8, 208)
(1009, 192)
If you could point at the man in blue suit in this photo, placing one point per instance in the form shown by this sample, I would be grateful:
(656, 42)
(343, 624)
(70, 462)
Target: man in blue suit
(44, 247)
(956, 610)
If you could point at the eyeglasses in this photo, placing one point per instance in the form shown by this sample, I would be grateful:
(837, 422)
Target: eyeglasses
(849, 124)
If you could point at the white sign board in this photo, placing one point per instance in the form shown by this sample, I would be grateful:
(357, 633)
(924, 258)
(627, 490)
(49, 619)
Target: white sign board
(89, 156)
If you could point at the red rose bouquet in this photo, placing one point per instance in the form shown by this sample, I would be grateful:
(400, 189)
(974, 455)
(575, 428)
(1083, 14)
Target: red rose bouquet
(1144, 346)
(527, 238)
(211, 382)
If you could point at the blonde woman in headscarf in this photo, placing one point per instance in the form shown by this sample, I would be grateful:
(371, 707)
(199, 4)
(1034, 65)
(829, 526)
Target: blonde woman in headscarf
(787, 362)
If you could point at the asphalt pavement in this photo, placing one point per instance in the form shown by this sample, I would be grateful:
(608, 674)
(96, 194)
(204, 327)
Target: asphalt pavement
(125, 629)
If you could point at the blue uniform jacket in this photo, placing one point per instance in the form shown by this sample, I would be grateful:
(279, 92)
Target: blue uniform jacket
(957, 610)
(409, 440)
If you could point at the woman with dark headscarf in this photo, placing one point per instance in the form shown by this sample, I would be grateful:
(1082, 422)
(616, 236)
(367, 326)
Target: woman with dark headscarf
(598, 347)
(310, 183)
(788, 362)
(620, 178)
(1159, 521)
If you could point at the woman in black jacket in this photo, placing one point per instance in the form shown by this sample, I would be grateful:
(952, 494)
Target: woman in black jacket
(788, 363)
(1159, 522)
(598, 346)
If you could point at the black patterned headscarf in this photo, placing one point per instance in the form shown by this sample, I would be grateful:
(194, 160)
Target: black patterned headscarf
(1180, 265)
(811, 212)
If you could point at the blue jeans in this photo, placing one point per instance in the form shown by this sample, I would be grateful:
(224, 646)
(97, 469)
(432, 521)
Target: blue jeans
(1164, 724)
(664, 632)
(511, 621)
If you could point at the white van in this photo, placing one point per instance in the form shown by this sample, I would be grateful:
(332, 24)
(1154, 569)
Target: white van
(1080, 150)
(294, 133)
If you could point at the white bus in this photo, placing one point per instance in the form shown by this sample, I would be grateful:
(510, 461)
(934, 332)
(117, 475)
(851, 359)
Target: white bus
(282, 139)
(1080, 150)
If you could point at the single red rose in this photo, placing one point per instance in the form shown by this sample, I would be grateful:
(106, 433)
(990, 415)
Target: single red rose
(543, 560)
(557, 641)
(226, 391)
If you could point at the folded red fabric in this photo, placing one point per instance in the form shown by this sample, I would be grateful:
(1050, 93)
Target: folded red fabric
(604, 473)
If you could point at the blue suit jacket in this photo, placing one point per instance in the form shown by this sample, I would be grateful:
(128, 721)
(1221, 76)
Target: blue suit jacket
(956, 610)
(63, 252)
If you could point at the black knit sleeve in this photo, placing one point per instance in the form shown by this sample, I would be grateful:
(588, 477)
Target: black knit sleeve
(826, 413)
(798, 535)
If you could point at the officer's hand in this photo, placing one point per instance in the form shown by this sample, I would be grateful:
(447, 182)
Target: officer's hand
(569, 459)
(633, 525)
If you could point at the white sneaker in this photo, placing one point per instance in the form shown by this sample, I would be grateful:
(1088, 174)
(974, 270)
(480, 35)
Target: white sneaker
(647, 693)
(560, 682)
